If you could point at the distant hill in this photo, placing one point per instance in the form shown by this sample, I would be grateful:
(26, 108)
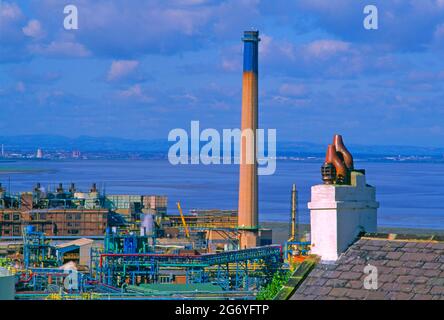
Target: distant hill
(81, 143)
(30, 143)
(295, 148)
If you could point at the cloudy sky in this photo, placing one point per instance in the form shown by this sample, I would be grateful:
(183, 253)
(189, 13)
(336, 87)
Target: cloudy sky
(139, 68)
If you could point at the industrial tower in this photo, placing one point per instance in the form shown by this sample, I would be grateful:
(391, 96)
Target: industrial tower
(248, 180)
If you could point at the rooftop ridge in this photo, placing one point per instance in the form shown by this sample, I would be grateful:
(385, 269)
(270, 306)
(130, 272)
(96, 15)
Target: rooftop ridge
(403, 237)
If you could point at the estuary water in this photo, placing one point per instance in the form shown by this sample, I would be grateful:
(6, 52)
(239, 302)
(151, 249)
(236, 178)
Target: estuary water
(411, 195)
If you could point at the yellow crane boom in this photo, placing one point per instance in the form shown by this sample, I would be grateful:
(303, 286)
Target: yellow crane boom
(187, 233)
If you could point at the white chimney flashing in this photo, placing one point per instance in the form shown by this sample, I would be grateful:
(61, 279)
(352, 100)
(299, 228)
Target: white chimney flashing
(338, 213)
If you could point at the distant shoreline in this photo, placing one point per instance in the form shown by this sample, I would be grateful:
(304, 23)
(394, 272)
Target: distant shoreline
(21, 170)
(301, 158)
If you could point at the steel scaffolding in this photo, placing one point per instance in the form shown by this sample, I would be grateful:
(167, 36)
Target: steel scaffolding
(37, 252)
(232, 270)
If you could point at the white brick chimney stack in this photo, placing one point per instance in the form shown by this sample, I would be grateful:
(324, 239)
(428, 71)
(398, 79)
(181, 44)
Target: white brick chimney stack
(338, 213)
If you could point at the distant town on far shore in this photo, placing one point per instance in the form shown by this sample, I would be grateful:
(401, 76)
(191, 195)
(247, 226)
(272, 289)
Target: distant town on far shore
(52, 147)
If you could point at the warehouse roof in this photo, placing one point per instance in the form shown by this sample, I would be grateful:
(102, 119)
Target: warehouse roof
(77, 242)
(407, 268)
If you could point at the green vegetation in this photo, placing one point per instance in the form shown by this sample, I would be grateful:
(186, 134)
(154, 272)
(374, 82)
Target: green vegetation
(296, 279)
(269, 291)
(5, 266)
(5, 262)
(285, 282)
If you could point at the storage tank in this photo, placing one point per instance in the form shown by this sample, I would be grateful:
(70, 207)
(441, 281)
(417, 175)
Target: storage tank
(147, 224)
(7, 285)
(29, 229)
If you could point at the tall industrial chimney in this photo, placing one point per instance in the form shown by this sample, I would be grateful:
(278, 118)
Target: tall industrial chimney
(248, 193)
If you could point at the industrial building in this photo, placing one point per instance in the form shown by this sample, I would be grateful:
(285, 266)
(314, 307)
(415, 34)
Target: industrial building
(133, 244)
(70, 212)
(77, 251)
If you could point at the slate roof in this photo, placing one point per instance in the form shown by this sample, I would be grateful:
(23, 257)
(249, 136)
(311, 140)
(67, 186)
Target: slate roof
(407, 269)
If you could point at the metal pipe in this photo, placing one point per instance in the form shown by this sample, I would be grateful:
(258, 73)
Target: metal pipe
(293, 231)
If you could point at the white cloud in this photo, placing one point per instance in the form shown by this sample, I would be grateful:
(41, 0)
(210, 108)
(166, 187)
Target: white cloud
(34, 29)
(295, 90)
(61, 49)
(231, 64)
(134, 92)
(121, 68)
(439, 34)
(9, 11)
(326, 48)
(265, 47)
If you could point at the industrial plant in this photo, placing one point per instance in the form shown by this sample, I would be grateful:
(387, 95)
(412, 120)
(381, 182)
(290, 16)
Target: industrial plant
(126, 246)
(71, 244)
(64, 243)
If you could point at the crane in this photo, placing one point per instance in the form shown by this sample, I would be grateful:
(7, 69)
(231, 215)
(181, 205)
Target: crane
(187, 233)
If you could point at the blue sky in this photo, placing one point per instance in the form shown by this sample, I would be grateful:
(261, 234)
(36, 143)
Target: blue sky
(137, 69)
